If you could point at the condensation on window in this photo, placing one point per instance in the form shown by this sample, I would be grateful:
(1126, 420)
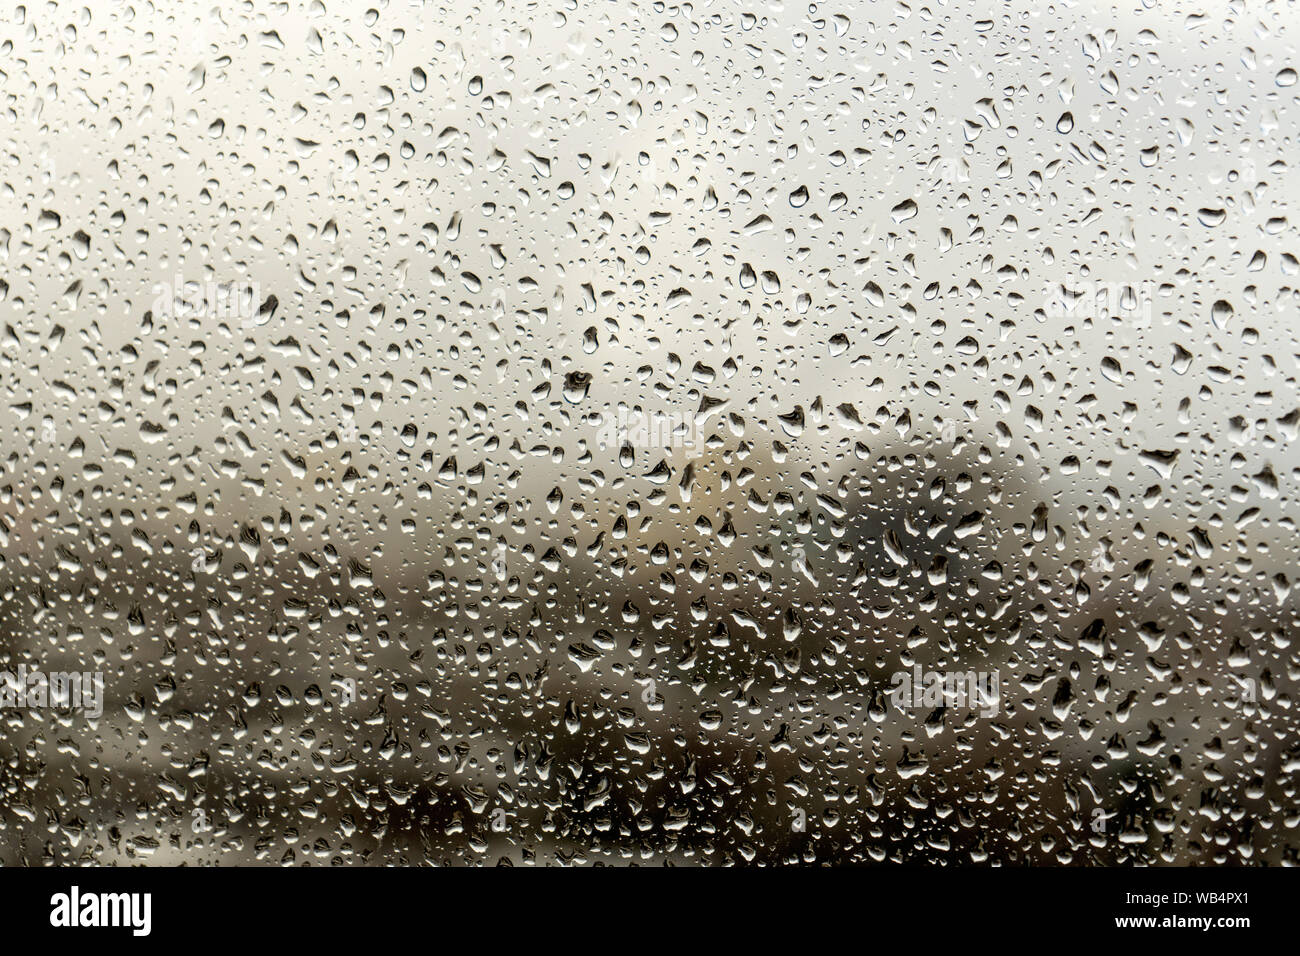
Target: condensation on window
(643, 433)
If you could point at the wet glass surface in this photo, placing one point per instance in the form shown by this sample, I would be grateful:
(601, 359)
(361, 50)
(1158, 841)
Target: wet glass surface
(598, 433)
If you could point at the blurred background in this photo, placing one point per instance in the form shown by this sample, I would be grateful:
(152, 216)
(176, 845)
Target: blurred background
(976, 323)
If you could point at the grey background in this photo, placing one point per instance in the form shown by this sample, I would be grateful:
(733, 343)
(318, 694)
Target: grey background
(573, 206)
